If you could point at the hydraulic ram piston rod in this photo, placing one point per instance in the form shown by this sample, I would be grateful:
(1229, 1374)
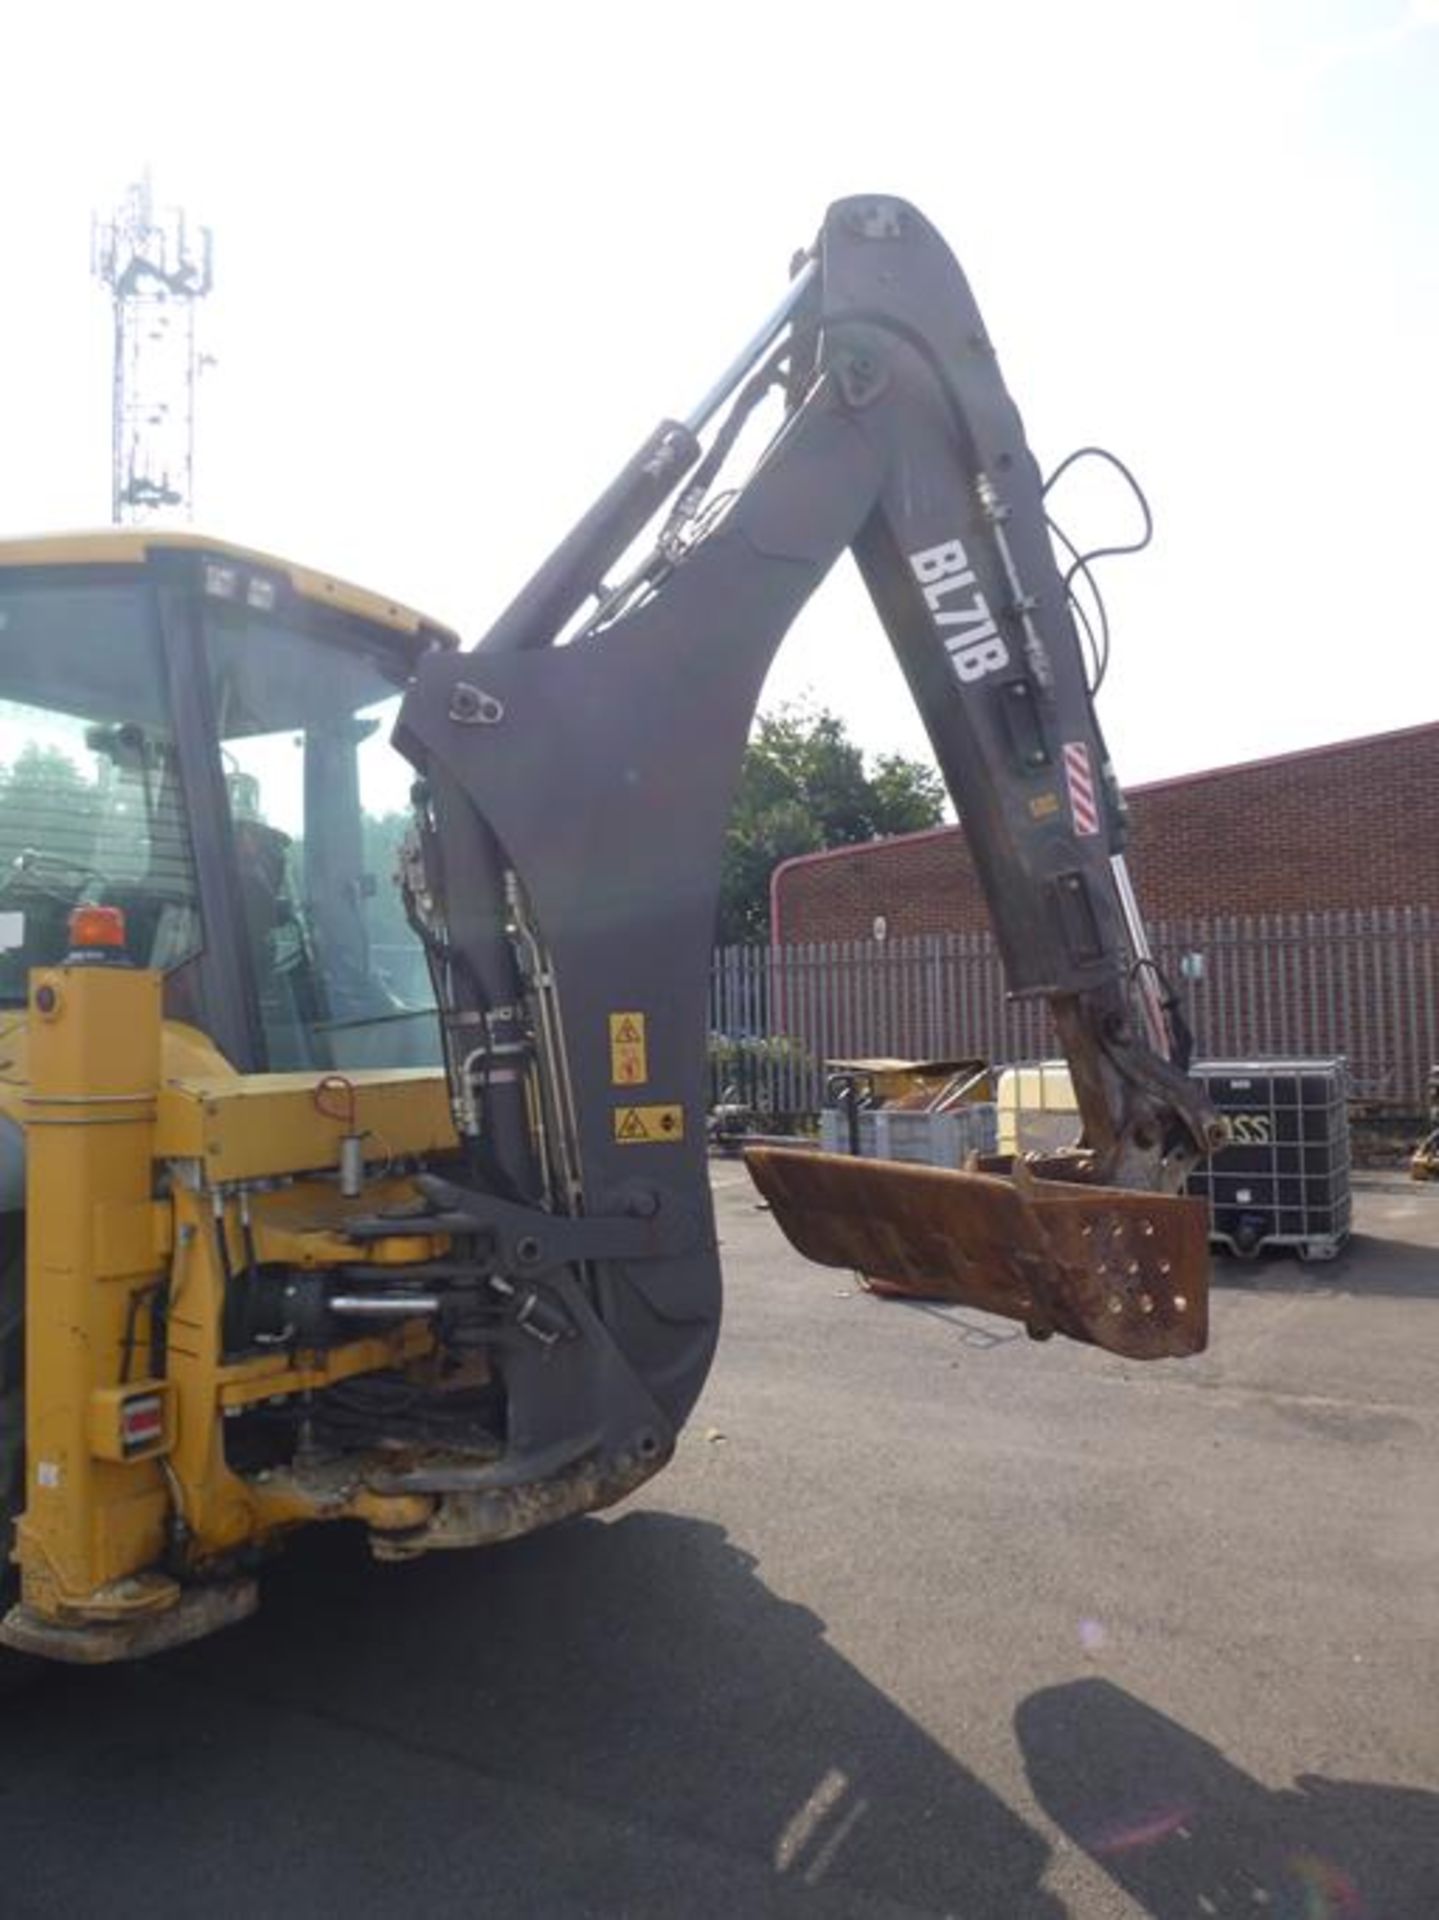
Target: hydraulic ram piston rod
(1147, 978)
(575, 571)
(774, 325)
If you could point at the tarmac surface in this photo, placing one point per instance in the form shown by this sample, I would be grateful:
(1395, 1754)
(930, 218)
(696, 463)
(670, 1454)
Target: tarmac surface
(923, 1619)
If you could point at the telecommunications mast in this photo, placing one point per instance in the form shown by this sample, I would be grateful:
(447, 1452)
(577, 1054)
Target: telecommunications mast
(157, 268)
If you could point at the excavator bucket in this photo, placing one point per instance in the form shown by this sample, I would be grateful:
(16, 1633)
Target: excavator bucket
(1125, 1271)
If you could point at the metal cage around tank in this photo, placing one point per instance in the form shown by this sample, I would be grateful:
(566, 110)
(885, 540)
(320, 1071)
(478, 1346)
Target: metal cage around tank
(1284, 1178)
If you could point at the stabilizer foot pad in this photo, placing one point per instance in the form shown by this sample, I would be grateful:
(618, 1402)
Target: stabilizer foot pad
(95, 1643)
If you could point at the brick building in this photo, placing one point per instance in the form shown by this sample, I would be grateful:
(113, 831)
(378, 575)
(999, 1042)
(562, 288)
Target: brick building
(1349, 826)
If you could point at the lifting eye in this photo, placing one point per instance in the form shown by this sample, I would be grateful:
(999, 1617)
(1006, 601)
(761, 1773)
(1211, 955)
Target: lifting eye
(472, 707)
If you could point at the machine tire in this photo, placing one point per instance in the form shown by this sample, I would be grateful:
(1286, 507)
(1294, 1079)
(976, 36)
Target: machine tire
(14, 1667)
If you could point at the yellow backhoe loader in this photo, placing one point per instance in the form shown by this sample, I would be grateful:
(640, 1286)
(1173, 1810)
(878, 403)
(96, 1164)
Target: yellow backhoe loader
(352, 984)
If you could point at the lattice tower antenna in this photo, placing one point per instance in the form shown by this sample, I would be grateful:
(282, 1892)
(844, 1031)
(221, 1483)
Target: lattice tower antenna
(158, 268)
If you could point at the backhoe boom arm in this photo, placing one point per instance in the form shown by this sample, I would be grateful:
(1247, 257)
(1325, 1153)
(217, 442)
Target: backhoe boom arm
(574, 797)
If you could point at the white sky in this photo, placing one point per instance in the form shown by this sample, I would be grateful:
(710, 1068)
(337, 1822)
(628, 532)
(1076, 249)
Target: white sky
(467, 256)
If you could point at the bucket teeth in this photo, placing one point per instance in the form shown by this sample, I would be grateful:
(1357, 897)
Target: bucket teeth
(1125, 1271)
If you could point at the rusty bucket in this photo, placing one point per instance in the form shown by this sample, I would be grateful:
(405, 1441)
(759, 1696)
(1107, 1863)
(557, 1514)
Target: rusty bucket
(1121, 1270)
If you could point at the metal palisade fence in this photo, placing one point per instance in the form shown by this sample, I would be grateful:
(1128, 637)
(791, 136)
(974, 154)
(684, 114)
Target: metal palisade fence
(1359, 983)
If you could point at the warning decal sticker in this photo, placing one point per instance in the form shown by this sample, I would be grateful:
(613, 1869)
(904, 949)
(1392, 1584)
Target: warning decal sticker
(629, 1066)
(1083, 799)
(649, 1126)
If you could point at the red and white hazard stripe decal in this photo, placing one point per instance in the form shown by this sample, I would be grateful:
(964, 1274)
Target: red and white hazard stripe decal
(1083, 798)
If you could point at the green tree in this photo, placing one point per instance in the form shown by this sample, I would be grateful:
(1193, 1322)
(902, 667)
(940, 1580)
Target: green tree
(48, 807)
(907, 795)
(804, 786)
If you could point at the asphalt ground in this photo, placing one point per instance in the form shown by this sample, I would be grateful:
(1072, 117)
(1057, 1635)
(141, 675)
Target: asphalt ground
(923, 1619)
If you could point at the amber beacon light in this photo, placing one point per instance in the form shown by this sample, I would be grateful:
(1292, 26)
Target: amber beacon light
(98, 930)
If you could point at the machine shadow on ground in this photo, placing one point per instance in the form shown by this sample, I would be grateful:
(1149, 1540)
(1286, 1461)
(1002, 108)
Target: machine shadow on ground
(1183, 1831)
(1367, 1264)
(638, 1670)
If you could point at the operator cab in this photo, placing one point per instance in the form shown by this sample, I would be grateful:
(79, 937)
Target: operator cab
(199, 735)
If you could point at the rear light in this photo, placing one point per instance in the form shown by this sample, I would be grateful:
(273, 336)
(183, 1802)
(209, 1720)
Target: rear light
(142, 1423)
(132, 1422)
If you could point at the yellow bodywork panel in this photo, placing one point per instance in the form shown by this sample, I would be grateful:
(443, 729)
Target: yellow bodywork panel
(185, 1053)
(89, 1114)
(251, 1126)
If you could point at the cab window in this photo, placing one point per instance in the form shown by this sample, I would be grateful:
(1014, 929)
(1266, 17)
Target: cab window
(90, 802)
(318, 803)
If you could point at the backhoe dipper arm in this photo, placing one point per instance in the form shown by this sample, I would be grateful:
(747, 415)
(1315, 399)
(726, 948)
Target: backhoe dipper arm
(574, 798)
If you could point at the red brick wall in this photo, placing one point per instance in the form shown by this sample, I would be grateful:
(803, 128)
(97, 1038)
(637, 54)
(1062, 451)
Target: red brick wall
(1352, 825)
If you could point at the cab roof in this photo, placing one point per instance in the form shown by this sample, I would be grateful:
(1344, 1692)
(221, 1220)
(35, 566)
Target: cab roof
(132, 546)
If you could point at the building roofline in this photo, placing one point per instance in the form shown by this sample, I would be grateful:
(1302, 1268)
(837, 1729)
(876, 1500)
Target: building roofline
(835, 853)
(1286, 759)
(1148, 786)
